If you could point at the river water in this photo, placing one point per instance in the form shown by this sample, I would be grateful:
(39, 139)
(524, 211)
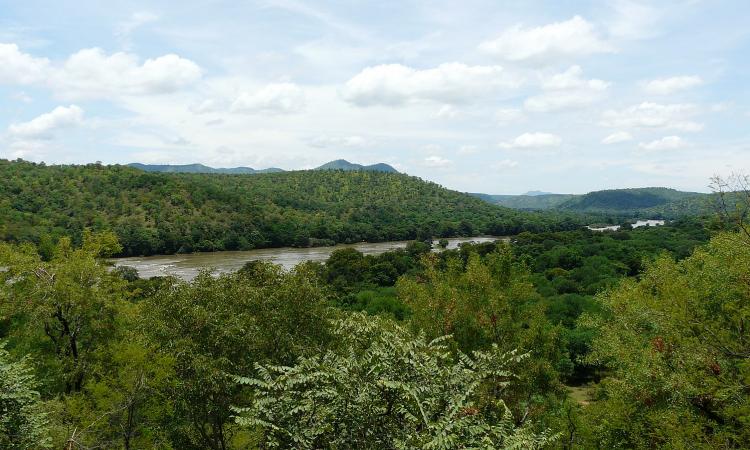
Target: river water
(187, 266)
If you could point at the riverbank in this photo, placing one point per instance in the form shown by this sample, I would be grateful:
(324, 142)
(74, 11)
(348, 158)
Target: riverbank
(187, 266)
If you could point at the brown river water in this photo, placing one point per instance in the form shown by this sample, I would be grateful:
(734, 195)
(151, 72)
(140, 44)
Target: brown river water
(187, 266)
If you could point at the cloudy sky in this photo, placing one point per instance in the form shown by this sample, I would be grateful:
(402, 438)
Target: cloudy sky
(486, 96)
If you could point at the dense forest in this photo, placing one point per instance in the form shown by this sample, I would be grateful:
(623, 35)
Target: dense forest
(572, 339)
(161, 213)
(654, 202)
(339, 164)
(557, 337)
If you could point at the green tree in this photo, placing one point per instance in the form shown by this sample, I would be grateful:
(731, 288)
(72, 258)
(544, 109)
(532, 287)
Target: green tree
(384, 388)
(215, 327)
(72, 300)
(677, 347)
(490, 301)
(23, 422)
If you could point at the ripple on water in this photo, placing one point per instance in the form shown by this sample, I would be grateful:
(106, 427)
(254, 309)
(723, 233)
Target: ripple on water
(188, 266)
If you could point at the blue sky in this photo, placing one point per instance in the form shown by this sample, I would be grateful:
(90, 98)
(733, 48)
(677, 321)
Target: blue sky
(483, 96)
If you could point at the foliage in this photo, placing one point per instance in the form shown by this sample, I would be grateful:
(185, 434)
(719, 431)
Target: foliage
(348, 270)
(163, 213)
(529, 202)
(23, 422)
(384, 388)
(490, 301)
(570, 267)
(380, 300)
(214, 327)
(96, 357)
(678, 349)
(654, 202)
(71, 300)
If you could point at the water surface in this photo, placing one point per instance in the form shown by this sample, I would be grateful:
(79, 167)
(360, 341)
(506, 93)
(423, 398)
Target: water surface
(638, 223)
(187, 266)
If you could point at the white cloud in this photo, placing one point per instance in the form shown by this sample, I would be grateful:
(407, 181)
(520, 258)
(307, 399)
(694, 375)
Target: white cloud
(90, 73)
(468, 150)
(437, 162)
(634, 20)
(278, 98)
(533, 140)
(505, 164)
(447, 112)
(555, 101)
(572, 79)
(567, 90)
(339, 141)
(43, 126)
(556, 41)
(395, 84)
(125, 28)
(666, 86)
(32, 150)
(508, 115)
(665, 143)
(21, 68)
(431, 148)
(654, 115)
(618, 137)
(207, 106)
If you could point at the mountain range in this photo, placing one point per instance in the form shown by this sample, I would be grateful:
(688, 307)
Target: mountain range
(654, 202)
(339, 164)
(651, 201)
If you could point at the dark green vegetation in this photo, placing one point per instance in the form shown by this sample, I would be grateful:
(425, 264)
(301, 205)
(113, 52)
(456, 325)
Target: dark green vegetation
(468, 347)
(158, 213)
(528, 202)
(342, 164)
(339, 164)
(640, 202)
(553, 339)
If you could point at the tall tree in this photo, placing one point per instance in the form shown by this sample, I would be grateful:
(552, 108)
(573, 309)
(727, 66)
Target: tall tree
(23, 421)
(382, 387)
(217, 327)
(677, 346)
(71, 299)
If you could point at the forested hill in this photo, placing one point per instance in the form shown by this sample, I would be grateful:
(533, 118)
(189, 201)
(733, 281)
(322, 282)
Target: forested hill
(627, 199)
(162, 213)
(526, 201)
(200, 168)
(339, 164)
(653, 202)
(342, 164)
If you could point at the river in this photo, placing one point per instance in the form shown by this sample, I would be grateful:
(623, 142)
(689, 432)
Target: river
(187, 266)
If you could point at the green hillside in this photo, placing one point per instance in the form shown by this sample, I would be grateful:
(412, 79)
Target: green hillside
(200, 168)
(342, 164)
(653, 202)
(339, 164)
(627, 199)
(162, 213)
(528, 202)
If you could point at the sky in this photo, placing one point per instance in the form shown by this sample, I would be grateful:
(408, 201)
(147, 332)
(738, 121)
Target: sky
(492, 96)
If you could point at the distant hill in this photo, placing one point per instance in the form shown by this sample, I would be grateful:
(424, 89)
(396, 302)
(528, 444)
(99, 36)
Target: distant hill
(339, 164)
(161, 213)
(199, 168)
(342, 164)
(526, 201)
(627, 199)
(651, 201)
